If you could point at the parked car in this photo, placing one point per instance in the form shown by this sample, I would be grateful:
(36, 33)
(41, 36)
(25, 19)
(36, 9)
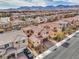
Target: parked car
(28, 53)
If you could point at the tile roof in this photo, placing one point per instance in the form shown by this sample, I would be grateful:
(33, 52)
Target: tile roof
(8, 37)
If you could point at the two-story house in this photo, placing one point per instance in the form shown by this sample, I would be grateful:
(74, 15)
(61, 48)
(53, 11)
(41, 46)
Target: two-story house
(12, 43)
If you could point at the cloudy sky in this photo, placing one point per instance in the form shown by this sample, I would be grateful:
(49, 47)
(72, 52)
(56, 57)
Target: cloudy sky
(17, 3)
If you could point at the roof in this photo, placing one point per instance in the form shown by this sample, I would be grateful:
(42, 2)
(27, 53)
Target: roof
(37, 41)
(8, 37)
(16, 22)
(36, 29)
(71, 18)
(5, 19)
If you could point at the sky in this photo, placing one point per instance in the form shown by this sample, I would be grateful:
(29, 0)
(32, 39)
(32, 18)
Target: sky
(18, 3)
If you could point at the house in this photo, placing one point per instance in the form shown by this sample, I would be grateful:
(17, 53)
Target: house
(29, 21)
(62, 25)
(57, 29)
(5, 23)
(15, 16)
(17, 24)
(12, 43)
(73, 21)
(39, 20)
(45, 19)
(5, 19)
(76, 21)
(35, 41)
(37, 36)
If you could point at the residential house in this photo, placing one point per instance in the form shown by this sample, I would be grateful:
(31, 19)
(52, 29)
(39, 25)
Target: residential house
(17, 24)
(39, 20)
(5, 23)
(12, 43)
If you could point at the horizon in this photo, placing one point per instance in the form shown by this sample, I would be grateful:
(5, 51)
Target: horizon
(6, 4)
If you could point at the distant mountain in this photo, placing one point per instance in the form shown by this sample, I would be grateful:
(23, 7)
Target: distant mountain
(67, 6)
(44, 8)
(35, 8)
(47, 7)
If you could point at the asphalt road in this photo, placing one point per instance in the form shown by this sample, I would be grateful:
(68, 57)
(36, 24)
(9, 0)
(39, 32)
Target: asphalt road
(71, 52)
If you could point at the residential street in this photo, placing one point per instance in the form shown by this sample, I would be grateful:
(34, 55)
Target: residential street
(71, 52)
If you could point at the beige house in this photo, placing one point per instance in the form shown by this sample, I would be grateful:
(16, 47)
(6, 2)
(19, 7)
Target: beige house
(15, 16)
(5, 19)
(73, 20)
(5, 23)
(36, 31)
(62, 25)
(17, 24)
(29, 21)
(39, 20)
(12, 43)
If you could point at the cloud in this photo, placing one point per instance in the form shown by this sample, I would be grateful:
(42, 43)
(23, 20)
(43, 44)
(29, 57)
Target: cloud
(74, 1)
(4, 4)
(18, 3)
(25, 2)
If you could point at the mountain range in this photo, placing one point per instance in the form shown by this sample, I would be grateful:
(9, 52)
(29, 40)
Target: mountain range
(44, 8)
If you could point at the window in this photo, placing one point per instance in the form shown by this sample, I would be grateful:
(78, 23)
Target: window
(6, 25)
(40, 19)
(43, 47)
(33, 42)
(27, 31)
(54, 34)
(47, 32)
(39, 51)
(55, 29)
(6, 45)
(60, 24)
(28, 35)
(37, 42)
(23, 41)
(16, 42)
(32, 31)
